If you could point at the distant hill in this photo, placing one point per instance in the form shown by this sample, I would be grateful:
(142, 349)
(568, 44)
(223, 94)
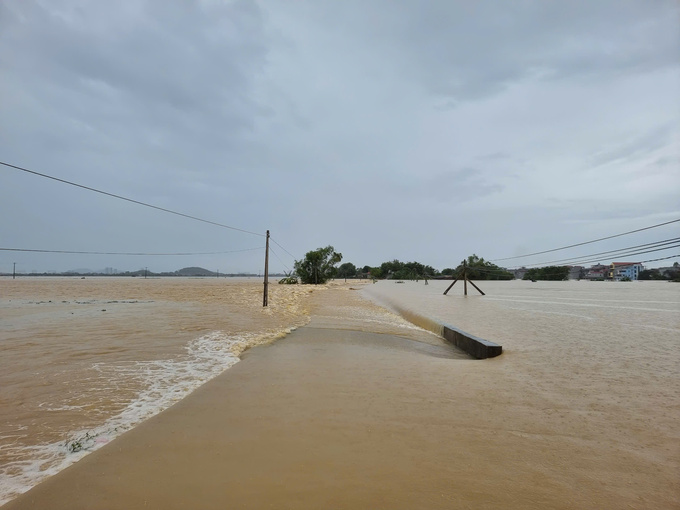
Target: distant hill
(195, 271)
(187, 271)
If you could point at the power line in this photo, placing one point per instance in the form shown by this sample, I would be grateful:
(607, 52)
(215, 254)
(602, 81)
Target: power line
(641, 262)
(484, 270)
(662, 258)
(587, 242)
(548, 264)
(612, 253)
(634, 253)
(282, 262)
(626, 254)
(127, 253)
(277, 244)
(130, 200)
(629, 250)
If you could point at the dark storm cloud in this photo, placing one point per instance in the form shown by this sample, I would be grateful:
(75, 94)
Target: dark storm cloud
(147, 100)
(158, 74)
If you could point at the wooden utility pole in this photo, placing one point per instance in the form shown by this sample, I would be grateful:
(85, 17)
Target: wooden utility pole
(463, 276)
(265, 301)
(478, 289)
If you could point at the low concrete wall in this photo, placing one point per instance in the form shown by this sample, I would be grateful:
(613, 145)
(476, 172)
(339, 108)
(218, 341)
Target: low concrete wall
(477, 347)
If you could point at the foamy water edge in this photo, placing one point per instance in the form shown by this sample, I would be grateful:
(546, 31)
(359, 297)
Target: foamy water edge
(167, 382)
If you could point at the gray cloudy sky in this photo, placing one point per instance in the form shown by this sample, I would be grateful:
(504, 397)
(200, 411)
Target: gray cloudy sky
(417, 130)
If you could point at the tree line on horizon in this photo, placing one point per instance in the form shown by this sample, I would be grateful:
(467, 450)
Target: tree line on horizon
(319, 266)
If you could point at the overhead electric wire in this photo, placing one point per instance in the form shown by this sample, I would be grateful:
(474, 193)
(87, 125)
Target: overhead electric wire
(128, 253)
(629, 250)
(613, 253)
(625, 254)
(484, 270)
(641, 262)
(277, 244)
(130, 199)
(588, 242)
(662, 258)
(282, 262)
(634, 252)
(580, 262)
(628, 254)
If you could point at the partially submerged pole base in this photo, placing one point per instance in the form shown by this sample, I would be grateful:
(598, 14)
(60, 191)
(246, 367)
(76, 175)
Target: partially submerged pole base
(466, 281)
(464, 277)
(265, 297)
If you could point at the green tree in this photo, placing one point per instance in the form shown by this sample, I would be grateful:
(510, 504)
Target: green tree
(480, 269)
(553, 273)
(376, 272)
(651, 274)
(397, 270)
(347, 270)
(414, 271)
(391, 268)
(674, 274)
(318, 266)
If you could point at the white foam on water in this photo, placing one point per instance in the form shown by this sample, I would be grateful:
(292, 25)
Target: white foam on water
(415, 319)
(381, 317)
(164, 383)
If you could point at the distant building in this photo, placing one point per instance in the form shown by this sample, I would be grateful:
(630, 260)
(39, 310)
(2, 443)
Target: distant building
(576, 272)
(621, 270)
(519, 273)
(670, 271)
(597, 272)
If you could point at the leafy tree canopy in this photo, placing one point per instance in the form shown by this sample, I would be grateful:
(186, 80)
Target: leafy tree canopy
(398, 270)
(318, 266)
(553, 273)
(480, 269)
(376, 272)
(347, 270)
(651, 274)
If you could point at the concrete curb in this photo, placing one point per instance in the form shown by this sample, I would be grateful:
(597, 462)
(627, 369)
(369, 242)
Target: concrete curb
(477, 347)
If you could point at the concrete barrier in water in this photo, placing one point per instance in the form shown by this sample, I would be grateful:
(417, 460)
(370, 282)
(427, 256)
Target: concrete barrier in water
(477, 347)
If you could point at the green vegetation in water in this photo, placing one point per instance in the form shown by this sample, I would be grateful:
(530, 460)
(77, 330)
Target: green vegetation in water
(550, 273)
(79, 444)
(289, 279)
(318, 266)
(479, 269)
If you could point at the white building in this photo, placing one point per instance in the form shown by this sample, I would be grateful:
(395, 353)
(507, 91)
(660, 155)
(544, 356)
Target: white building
(621, 270)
